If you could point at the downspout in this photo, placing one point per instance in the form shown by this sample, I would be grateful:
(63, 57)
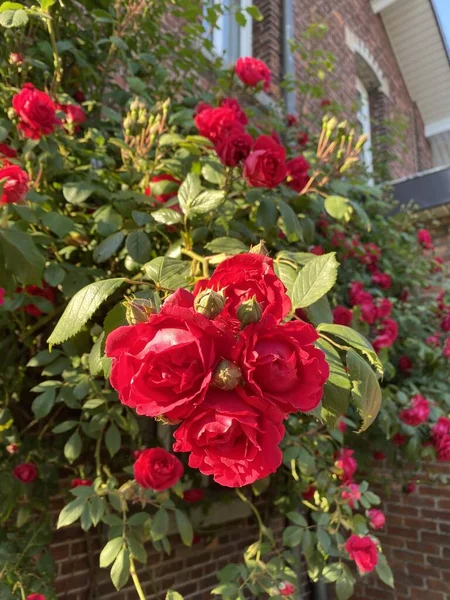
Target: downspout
(288, 57)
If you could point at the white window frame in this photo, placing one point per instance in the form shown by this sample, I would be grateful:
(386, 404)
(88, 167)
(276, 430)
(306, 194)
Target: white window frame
(363, 116)
(228, 32)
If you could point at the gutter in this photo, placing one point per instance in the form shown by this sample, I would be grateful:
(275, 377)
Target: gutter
(288, 58)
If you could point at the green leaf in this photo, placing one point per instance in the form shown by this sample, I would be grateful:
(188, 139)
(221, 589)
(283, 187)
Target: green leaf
(167, 272)
(384, 571)
(138, 246)
(335, 401)
(339, 208)
(167, 216)
(287, 274)
(138, 519)
(353, 339)
(109, 553)
(214, 173)
(43, 358)
(64, 426)
(46, 4)
(4, 6)
(316, 278)
(240, 18)
(43, 404)
(226, 245)
(366, 392)
(137, 549)
(227, 590)
(188, 191)
(13, 18)
(362, 215)
(255, 13)
(58, 224)
(71, 512)
(137, 85)
(108, 220)
(81, 308)
(332, 572)
(77, 192)
(344, 588)
(292, 224)
(206, 202)
(297, 518)
(292, 535)
(22, 256)
(73, 446)
(160, 524)
(54, 274)
(113, 439)
(97, 507)
(184, 527)
(108, 247)
(120, 570)
(95, 356)
(171, 595)
(320, 312)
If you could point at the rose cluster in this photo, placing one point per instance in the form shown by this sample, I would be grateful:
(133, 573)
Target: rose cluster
(222, 362)
(264, 159)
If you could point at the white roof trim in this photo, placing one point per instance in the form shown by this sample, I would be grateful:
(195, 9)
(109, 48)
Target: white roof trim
(379, 5)
(437, 127)
(357, 45)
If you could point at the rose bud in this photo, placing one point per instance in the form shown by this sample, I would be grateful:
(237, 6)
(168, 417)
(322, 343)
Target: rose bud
(227, 375)
(12, 448)
(138, 310)
(209, 303)
(249, 312)
(260, 248)
(15, 58)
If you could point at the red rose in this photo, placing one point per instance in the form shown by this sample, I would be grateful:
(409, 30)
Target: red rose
(216, 123)
(252, 71)
(443, 448)
(445, 323)
(418, 413)
(441, 428)
(233, 148)
(368, 312)
(405, 364)
(309, 493)
(399, 439)
(79, 96)
(281, 364)
(363, 551)
(424, 239)
(433, 341)
(35, 597)
(342, 426)
(342, 316)
(325, 102)
(162, 198)
(36, 111)
(351, 494)
(2, 296)
(41, 292)
(75, 115)
(410, 487)
(157, 469)
(193, 495)
(317, 250)
(302, 138)
(243, 277)
(232, 103)
(358, 295)
(446, 349)
(297, 173)
(372, 253)
(291, 120)
(201, 106)
(265, 166)
(377, 519)
(164, 366)
(7, 152)
(15, 187)
(347, 464)
(386, 335)
(80, 482)
(379, 455)
(25, 472)
(230, 438)
(286, 588)
(384, 308)
(382, 279)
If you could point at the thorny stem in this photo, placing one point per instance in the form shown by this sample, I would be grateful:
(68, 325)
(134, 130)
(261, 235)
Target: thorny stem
(57, 75)
(135, 578)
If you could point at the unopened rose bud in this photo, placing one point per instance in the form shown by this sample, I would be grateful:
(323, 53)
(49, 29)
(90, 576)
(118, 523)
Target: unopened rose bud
(227, 375)
(260, 248)
(209, 303)
(249, 311)
(15, 58)
(139, 310)
(12, 448)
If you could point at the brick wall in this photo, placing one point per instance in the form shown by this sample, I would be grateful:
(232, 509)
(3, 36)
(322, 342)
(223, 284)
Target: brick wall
(358, 17)
(190, 571)
(416, 541)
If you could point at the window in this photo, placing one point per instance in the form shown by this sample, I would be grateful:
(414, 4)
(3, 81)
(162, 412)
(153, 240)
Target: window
(363, 117)
(229, 39)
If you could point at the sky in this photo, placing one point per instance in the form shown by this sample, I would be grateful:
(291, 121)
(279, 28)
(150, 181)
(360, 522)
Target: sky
(443, 10)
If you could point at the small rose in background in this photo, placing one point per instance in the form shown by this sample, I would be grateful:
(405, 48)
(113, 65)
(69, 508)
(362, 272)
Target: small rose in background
(253, 72)
(15, 184)
(424, 239)
(418, 412)
(193, 495)
(25, 472)
(286, 588)
(15, 59)
(36, 112)
(265, 166)
(157, 469)
(377, 519)
(80, 482)
(342, 316)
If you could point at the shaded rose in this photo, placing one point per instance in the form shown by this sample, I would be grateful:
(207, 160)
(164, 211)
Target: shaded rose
(15, 186)
(363, 551)
(265, 165)
(36, 112)
(25, 472)
(418, 413)
(157, 469)
(347, 464)
(253, 71)
(377, 519)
